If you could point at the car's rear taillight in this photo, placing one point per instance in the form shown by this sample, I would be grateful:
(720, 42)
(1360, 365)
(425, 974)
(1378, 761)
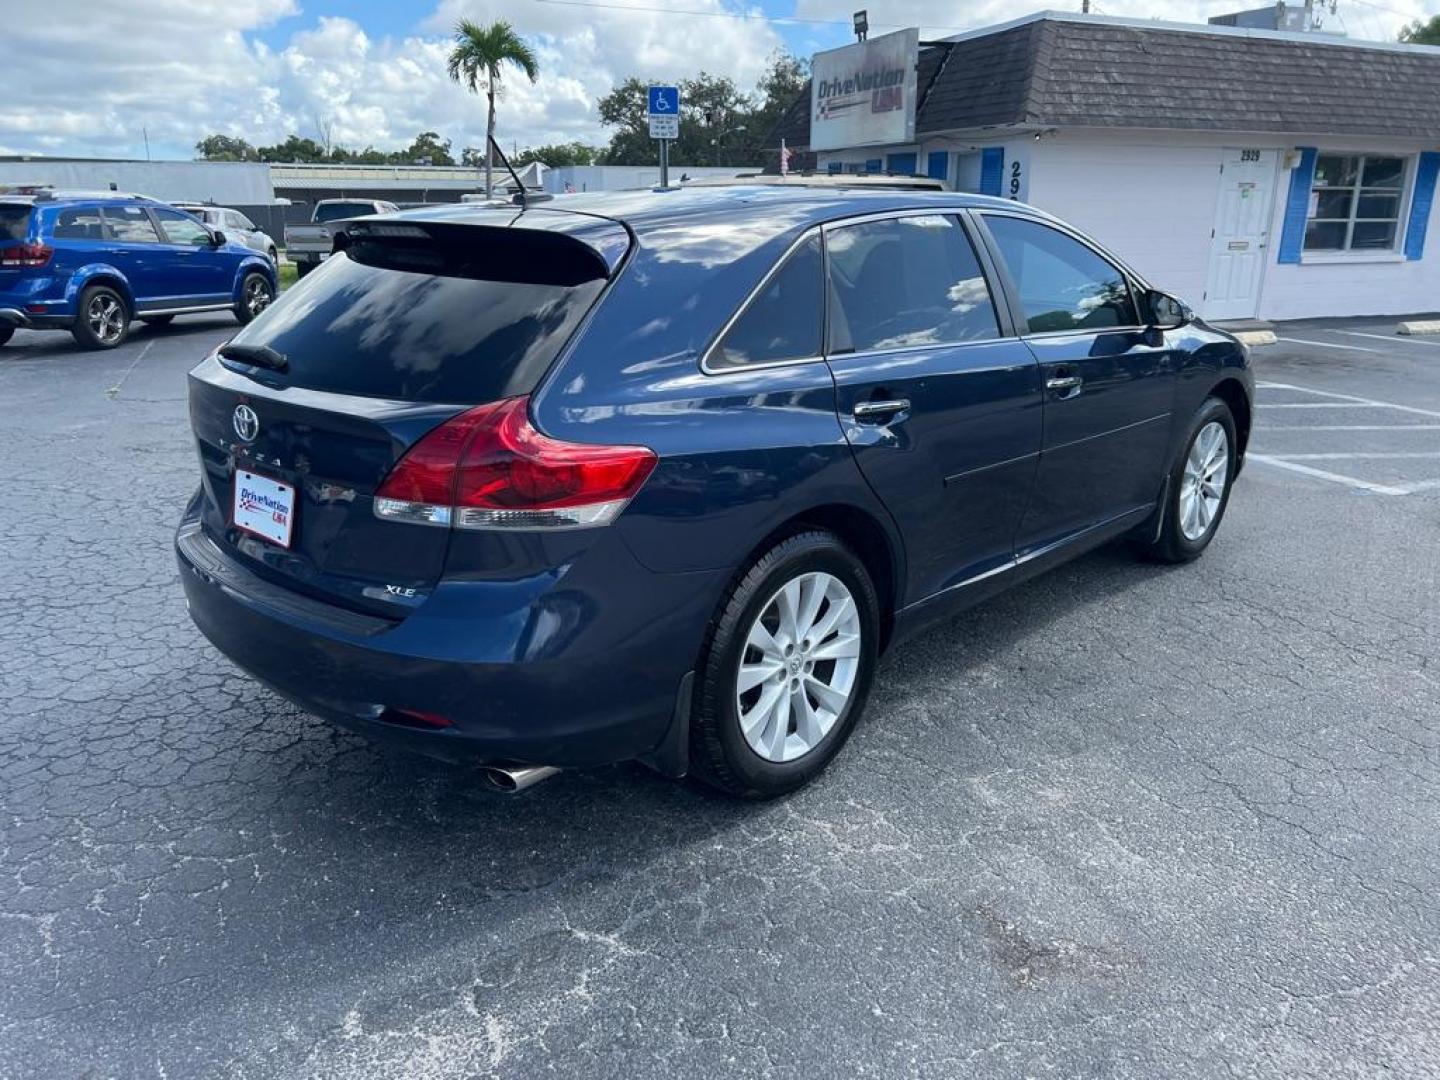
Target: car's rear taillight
(488, 468)
(26, 255)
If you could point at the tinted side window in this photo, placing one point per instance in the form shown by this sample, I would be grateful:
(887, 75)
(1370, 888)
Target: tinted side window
(131, 225)
(906, 281)
(1063, 284)
(182, 228)
(14, 222)
(785, 320)
(79, 223)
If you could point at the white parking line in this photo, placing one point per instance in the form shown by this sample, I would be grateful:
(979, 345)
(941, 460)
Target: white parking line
(1294, 462)
(1329, 345)
(1393, 339)
(1346, 397)
(1380, 454)
(1321, 474)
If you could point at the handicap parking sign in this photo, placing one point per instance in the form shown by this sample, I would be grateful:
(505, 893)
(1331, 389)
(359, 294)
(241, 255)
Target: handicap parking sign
(664, 101)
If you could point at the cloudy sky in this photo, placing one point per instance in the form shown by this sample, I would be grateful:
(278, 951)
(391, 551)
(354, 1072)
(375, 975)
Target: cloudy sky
(84, 78)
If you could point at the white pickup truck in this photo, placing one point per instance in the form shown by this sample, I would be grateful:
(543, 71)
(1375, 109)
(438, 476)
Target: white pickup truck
(309, 245)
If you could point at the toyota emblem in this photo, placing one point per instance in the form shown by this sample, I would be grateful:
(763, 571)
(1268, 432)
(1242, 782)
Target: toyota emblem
(247, 424)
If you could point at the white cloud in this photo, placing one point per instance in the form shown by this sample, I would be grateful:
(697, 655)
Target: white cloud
(80, 81)
(86, 78)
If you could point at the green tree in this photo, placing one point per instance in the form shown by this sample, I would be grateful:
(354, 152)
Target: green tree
(624, 109)
(225, 148)
(480, 52)
(558, 155)
(428, 145)
(294, 148)
(1422, 33)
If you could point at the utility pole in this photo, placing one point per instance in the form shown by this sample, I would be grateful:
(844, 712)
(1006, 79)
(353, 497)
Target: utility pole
(146, 133)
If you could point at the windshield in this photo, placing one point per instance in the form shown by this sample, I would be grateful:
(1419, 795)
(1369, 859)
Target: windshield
(339, 211)
(424, 322)
(14, 222)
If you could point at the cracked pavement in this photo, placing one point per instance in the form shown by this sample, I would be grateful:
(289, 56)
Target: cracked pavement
(1123, 821)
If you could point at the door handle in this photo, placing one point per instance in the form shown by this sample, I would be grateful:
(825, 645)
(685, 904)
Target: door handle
(1066, 386)
(875, 410)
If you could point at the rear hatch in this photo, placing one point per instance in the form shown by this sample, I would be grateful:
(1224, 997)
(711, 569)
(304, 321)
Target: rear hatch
(14, 232)
(411, 324)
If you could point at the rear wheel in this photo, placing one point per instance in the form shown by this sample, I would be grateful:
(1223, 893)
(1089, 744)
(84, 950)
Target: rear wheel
(302, 268)
(1199, 488)
(256, 292)
(786, 670)
(157, 320)
(104, 320)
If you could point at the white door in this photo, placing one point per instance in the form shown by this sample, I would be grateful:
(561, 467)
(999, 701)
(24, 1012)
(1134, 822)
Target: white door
(1240, 241)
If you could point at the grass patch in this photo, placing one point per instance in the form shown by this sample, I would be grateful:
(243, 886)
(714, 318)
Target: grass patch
(288, 275)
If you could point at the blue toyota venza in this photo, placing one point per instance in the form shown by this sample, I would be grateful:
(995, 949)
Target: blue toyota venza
(660, 475)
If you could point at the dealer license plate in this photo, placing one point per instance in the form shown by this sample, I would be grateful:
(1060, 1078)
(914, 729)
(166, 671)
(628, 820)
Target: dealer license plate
(264, 507)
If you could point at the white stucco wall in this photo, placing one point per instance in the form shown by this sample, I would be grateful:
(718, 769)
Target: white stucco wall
(1151, 197)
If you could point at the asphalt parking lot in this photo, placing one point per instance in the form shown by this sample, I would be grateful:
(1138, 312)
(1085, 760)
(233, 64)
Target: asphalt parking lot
(1125, 821)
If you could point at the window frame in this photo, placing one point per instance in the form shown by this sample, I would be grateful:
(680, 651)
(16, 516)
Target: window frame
(754, 295)
(980, 243)
(1133, 281)
(1357, 191)
(115, 237)
(998, 303)
(159, 222)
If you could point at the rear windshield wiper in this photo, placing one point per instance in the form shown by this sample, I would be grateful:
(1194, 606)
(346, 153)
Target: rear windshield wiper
(256, 356)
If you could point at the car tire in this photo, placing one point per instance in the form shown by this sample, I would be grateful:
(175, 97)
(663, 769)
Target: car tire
(1199, 486)
(6, 333)
(157, 320)
(804, 695)
(303, 268)
(256, 294)
(273, 256)
(103, 320)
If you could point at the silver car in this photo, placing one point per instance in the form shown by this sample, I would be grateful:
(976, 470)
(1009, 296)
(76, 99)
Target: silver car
(235, 225)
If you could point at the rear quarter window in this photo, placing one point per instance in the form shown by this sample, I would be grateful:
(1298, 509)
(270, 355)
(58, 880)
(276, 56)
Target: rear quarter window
(14, 222)
(429, 322)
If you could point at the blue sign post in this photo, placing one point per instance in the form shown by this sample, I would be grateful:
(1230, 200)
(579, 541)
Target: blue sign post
(662, 104)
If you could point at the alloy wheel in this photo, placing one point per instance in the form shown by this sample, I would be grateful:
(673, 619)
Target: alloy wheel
(1203, 485)
(106, 318)
(257, 295)
(799, 666)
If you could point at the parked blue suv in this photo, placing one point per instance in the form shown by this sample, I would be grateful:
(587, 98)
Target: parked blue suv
(660, 475)
(92, 263)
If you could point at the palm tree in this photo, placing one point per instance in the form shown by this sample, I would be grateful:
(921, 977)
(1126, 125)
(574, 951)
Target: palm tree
(481, 50)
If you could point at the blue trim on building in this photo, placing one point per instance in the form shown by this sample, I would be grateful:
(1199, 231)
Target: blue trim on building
(1421, 203)
(1297, 207)
(937, 165)
(874, 165)
(992, 170)
(904, 164)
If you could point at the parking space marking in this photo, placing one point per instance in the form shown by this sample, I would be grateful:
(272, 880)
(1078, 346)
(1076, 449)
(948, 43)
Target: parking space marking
(1346, 397)
(1393, 339)
(1295, 462)
(1322, 474)
(1329, 345)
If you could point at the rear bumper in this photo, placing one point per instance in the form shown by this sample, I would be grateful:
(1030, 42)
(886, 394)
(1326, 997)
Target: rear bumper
(520, 684)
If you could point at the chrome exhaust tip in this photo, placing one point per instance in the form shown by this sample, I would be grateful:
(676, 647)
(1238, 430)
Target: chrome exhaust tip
(516, 778)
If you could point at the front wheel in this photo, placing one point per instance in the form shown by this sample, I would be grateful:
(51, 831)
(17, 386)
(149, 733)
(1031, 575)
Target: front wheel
(104, 320)
(1199, 487)
(786, 669)
(256, 292)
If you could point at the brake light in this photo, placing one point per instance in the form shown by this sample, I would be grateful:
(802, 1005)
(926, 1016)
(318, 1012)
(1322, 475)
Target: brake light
(489, 468)
(26, 255)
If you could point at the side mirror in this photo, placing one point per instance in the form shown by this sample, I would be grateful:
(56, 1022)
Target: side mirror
(1166, 312)
(217, 238)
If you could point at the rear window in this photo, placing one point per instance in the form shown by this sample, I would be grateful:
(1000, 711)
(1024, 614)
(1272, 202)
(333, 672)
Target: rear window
(14, 222)
(428, 321)
(338, 211)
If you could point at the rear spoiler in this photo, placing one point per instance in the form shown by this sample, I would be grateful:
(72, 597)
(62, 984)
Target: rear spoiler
(488, 252)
